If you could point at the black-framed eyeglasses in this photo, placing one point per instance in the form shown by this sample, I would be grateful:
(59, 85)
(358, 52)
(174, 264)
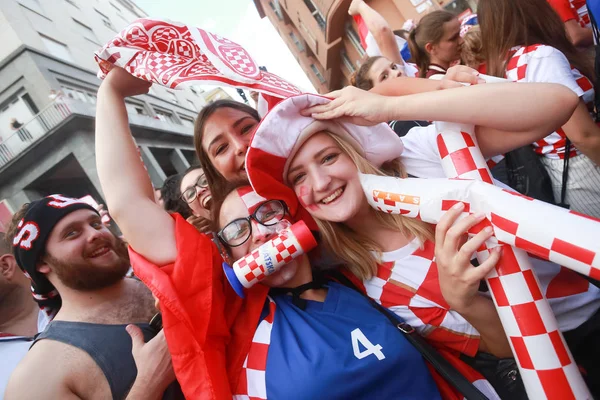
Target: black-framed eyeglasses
(238, 231)
(190, 194)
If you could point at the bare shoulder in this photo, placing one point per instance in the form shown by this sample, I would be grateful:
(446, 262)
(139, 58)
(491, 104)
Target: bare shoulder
(61, 372)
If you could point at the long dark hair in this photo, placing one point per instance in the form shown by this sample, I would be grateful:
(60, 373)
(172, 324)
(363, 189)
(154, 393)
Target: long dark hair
(216, 181)
(430, 29)
(508, 23)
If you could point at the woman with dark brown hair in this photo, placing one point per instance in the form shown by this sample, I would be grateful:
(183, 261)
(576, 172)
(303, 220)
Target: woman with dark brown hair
(435, 43)
(221, 135)
(526, 41)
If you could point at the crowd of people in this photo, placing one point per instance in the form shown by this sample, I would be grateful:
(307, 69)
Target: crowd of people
(327, 324)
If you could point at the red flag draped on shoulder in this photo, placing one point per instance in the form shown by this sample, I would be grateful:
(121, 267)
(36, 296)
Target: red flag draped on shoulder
(177, 56)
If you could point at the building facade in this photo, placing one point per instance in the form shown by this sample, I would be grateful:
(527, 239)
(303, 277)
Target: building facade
(324, 38)
(48, 88)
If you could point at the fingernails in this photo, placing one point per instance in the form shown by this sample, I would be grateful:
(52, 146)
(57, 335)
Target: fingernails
(458, 206)
(488, 229)
(480, 80)
(479, 216)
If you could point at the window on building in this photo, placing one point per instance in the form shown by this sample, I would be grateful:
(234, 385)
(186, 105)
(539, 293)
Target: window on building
(165, 116)
(297, 42)
(316, 14)
(347, 63)
(186, 121)
(105, 20)
(33, 5)
(354, 38)
(73, 3)
(140, 110)
(79, 93)
(115, 7)
(317, 73)
(192, 105)
(308, 33)
(172, 97)
(276, 7)
(86, 32)
(56, 48)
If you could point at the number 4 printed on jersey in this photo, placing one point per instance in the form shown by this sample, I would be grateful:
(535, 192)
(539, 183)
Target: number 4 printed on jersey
(358, 339)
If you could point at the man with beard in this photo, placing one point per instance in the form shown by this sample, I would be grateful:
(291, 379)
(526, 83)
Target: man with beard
(95, 342)
(20, 317)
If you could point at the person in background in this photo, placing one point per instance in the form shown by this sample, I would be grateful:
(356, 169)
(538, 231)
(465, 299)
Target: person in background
(197, 196)
(222, 133)
(77, 269)
(577, 25)
(525, 41)
(20, 316)
(171, 196)
(472, 50)
(435, 43)
(381, 40)
(23, 133)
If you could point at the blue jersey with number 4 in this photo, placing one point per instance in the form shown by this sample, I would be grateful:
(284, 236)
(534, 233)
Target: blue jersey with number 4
(343, 348)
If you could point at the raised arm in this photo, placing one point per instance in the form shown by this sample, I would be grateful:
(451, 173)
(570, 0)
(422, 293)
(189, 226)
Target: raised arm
(127, 188)
(379, 28)
(506, 115)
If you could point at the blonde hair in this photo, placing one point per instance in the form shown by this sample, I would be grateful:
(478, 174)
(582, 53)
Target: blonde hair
(360, 253)
(472, 48)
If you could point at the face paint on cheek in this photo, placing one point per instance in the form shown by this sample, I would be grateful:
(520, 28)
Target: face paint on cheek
(303, 193)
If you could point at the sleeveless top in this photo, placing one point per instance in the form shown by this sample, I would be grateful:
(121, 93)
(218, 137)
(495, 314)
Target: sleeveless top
(110, 348)
(342, 348)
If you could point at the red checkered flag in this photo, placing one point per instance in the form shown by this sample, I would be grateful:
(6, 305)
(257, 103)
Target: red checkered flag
(176, 56)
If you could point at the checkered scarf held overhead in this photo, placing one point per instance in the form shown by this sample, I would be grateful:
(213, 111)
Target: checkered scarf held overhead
(30, 241)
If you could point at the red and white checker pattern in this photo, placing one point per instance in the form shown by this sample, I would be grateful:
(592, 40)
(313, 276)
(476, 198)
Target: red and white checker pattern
(252, 383)
(525, 314)
(461, 157)
(553, 145)
(175, 55)
(277, 252)
(407, 283)
(239, 59)
(581, 7)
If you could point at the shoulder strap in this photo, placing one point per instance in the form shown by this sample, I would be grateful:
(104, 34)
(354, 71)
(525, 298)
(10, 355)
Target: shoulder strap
(565, 175)
(429, 353)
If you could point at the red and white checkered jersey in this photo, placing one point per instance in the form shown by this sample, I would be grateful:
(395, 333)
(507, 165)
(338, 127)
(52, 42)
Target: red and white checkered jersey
(407, 283)
(541, 63)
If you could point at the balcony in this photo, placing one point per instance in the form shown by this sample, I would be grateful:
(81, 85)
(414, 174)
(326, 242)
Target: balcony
(58, 113)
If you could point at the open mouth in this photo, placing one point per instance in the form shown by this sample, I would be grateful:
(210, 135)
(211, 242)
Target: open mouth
(207, 202)
(333, 196)
(100, 252)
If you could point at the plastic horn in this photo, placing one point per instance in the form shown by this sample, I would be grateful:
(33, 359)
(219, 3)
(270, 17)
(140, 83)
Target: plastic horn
(546, 365)
(545, 362)
(269, 257)
(514, 217)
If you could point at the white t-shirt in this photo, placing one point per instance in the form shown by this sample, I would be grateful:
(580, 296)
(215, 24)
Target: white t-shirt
(12, 351)
(545, 64)
(572, 298)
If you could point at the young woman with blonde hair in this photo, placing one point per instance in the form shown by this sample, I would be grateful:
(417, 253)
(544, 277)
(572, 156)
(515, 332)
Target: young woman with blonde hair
(426, 279)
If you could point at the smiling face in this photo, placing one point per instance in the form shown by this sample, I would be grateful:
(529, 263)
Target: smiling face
(383, 69)
(325, 179)
(201, 204)
(83, 253)
(233, 207)
(225, 140)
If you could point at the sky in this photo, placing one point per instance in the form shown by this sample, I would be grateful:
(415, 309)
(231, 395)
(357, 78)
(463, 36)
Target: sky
(237, 20)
